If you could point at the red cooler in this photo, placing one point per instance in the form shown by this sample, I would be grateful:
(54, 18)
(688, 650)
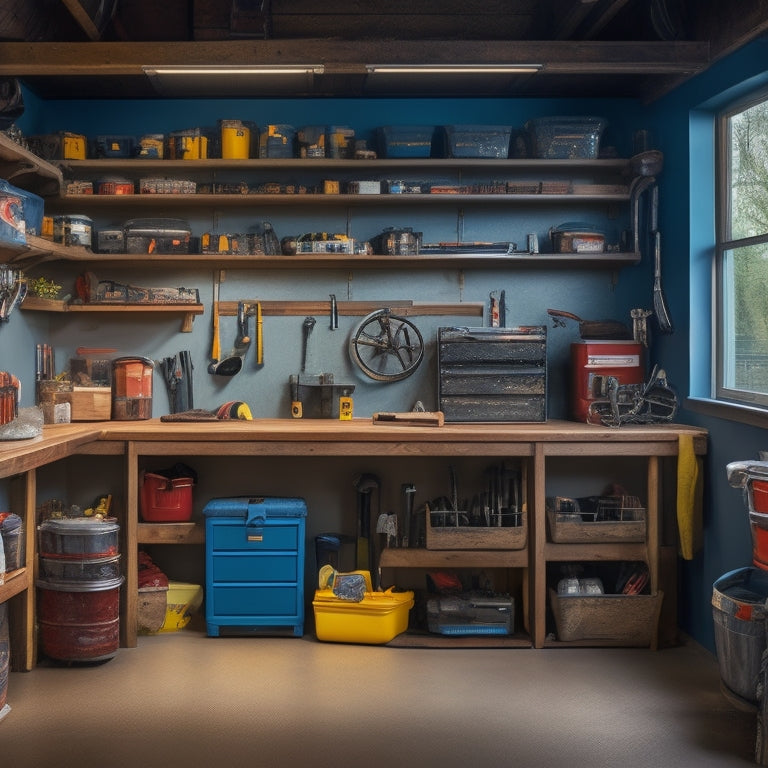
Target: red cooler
(593, 362)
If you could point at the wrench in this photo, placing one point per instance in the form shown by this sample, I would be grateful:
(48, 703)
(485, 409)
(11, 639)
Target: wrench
(307, 326)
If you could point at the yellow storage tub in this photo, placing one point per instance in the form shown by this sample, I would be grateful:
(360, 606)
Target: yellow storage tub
(182, 601)
(377, 619)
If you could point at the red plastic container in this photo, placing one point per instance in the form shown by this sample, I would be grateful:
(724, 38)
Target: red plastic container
(759, 489)
(166, 500)
(79, 621)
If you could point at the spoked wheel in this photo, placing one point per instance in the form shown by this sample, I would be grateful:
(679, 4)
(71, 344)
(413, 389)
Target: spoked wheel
(386, 347)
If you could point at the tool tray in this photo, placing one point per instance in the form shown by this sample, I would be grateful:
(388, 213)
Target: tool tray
(596, 519)
(511, 534)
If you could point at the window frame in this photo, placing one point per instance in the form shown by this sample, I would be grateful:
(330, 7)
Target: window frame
(723, 247)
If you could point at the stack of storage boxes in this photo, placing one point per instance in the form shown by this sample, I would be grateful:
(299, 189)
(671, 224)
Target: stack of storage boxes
(79, 588)
(493, 374)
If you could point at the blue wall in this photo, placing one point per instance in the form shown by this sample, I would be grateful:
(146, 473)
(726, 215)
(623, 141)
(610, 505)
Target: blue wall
(591, 294)
(588, 293)
(683, 120)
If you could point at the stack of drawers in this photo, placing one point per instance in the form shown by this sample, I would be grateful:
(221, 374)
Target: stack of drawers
(493, 374)
(254, 563)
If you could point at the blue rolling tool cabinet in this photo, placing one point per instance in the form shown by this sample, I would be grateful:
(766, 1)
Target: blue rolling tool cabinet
(254, 564)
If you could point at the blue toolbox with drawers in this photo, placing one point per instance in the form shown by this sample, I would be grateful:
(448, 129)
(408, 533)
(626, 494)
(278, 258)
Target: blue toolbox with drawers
(254, 564)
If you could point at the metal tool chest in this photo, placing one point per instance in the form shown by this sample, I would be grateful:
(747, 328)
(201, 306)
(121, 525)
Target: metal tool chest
(254, 564)
(493, 374)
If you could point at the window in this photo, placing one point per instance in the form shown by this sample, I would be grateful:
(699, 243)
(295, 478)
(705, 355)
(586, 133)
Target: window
(741, 254)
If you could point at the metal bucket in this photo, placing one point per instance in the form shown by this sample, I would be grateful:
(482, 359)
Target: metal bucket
(738, 611)
(79, 620)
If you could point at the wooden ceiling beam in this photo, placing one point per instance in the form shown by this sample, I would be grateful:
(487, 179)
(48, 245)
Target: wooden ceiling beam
(111, 59)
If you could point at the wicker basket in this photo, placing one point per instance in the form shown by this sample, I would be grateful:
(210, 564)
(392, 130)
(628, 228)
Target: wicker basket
(629, 620)
(615, 519)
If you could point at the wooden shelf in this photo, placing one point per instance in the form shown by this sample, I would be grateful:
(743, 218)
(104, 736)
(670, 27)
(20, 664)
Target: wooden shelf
(79, 202)
(469, 558)
(15, 582)
(143, 166)
(605, 552)
(170, 533)
(25, 169)
(39, 250)
(36, 304)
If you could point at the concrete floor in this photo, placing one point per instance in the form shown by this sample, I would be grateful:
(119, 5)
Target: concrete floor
(184, 699)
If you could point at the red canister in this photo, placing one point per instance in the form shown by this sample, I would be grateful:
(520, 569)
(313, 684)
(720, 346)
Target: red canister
(593, 362)
(132, 388)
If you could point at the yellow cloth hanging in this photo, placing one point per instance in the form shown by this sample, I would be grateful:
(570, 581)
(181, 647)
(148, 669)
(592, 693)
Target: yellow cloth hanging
(689, 513)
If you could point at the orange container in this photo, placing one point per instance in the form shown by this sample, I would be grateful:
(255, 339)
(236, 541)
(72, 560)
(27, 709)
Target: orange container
(132, 388)
(759, 491)
(758, 522)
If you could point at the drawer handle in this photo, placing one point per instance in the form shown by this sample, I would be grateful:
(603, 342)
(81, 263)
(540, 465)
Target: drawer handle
(255, 538)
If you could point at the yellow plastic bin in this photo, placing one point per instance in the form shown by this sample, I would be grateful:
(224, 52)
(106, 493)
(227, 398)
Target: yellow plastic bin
(377, 619)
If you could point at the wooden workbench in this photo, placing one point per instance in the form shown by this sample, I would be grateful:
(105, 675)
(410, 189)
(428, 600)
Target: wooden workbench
(290, 438)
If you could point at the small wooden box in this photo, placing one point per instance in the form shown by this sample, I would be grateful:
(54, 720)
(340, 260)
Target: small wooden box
(475, 537)
(91, 403)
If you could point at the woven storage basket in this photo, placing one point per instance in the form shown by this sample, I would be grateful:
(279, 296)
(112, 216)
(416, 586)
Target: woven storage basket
(475, 537)
(568, 531)
(630, 620)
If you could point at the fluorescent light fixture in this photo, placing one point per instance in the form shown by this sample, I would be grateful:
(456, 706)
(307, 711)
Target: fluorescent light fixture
(197, 70)
(453, 69)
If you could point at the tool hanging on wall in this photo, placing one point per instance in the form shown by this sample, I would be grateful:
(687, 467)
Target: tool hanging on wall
(177, 371)
(334, 313)
(386, 347)
(498, 309)
(306, 330)
(660, 306)
(233, 362)
(259, 335)
(216, 341)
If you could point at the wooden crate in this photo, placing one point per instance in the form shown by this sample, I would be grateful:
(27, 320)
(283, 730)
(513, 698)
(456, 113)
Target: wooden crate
(628, 620)
(472, 537)
(569, 531)
(91, 403)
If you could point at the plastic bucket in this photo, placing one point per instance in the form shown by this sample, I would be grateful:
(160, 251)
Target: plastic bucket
(758, 524)
(738, 612)
(759, 489)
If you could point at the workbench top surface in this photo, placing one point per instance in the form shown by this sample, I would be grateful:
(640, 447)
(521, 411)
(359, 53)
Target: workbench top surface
(365, 430)
(60, 440)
